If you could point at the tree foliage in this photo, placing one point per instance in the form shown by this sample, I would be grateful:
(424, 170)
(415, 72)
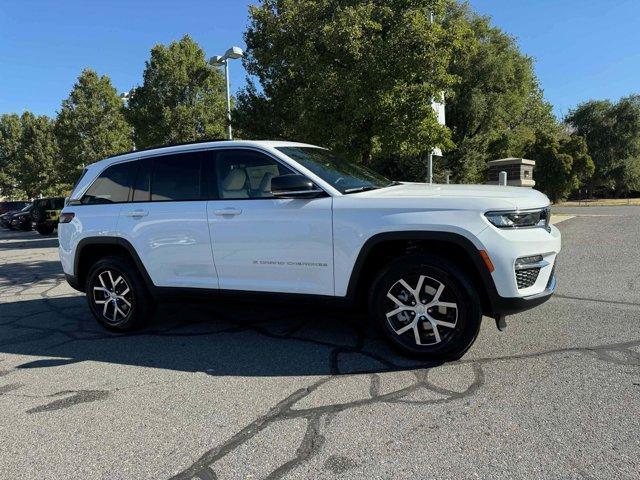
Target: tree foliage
(496, 106)
(37, 155)
(10, 141)
(630, 175)
(91, 125)
(182, 98)
(612, 132)
(355, 76)
(358, 76)
(563, 163)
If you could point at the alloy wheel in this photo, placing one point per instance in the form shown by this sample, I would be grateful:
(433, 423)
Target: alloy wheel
(425, 314)
(112, 294)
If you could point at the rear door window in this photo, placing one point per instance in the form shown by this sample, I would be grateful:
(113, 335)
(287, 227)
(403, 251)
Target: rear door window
(142, 186)
(177, 177)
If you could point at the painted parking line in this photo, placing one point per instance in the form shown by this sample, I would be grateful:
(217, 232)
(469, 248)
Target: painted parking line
(556, 218)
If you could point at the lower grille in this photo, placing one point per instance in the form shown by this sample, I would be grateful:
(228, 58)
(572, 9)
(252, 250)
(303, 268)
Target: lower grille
(527, 277)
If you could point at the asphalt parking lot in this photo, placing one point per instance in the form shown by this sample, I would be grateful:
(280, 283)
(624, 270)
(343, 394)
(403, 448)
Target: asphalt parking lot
(238, 390)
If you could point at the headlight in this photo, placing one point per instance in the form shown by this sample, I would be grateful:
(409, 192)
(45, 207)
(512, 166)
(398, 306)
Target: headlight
(522, 219)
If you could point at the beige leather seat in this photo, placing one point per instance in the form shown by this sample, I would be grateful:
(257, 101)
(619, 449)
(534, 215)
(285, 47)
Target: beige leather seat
(235, 184)
(264, 190)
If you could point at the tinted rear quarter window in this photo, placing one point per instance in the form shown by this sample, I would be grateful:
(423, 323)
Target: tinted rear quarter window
(112, 186)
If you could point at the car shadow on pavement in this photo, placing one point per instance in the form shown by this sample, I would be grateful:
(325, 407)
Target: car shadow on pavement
(23, 275)
(37, 242)
(221, 338)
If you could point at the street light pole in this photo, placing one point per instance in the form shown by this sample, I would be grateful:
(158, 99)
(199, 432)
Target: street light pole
(438, 107)
(216, 61)
(226, 74)
(432, 102)
(125, 97)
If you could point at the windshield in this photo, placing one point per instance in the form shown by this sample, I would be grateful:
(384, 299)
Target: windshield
(341, 174)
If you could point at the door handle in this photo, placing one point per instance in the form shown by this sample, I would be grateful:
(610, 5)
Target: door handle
(137, 213)
(228, 211)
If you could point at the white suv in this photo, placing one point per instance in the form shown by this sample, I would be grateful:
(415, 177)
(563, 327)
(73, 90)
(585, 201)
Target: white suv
(290, 219)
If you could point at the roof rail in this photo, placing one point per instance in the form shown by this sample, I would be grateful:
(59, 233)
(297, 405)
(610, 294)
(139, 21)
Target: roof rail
(196, 142)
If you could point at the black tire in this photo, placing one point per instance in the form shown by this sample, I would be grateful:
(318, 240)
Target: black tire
(45, 229)
(439, 342)
(141, 305)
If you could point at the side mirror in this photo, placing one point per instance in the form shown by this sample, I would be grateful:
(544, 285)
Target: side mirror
(294, 186)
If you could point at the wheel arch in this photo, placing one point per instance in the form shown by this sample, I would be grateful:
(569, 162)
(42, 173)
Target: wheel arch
(91, 249)
(382, 248)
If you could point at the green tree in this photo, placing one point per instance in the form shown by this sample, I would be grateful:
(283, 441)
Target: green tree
(496, 105)
(10, 141)
(37, 154)
(90, 126)
(182, 98)
(563, 163)
(355, 76)
(612, 132)
(628, 176)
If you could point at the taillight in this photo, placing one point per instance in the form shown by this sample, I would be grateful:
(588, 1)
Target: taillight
(66, 217)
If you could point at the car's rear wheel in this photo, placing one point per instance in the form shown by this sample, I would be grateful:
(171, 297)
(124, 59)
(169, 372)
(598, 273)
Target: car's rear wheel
(426, 307)
(117, 295)
(45, 229)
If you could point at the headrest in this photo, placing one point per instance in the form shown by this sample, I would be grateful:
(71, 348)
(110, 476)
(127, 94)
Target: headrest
(265, 183)
(235, 180)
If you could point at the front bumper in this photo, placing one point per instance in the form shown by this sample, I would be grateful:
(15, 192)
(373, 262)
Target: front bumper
(503, 306)
(505, 247)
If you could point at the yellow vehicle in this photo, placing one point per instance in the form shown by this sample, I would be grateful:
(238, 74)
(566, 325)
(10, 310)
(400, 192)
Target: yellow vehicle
(46, 214)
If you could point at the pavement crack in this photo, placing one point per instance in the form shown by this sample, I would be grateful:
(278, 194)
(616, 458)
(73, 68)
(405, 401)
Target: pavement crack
(79, 396)
(597, 300)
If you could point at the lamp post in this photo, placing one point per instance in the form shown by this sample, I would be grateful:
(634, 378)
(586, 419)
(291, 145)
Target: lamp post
(438, 107)
(217, 60)
(125, 97)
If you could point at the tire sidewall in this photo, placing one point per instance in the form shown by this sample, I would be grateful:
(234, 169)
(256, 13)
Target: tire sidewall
(45, 229)
(469, 309)
(141, 308)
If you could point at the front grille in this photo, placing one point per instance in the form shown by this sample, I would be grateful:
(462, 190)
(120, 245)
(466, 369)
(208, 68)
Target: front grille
(527, 277)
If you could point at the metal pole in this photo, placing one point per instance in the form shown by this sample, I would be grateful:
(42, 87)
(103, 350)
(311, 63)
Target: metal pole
(430, 168)
(226, 74)
(502, 178)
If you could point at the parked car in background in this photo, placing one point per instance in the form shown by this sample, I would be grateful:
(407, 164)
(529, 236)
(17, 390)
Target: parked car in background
(46, 213)
(13, 206)
(6, 216)
(22, 219)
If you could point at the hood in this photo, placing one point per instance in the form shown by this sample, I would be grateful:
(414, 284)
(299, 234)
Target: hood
(521, 198)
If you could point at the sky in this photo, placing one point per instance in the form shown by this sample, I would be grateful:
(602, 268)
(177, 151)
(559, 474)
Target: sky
(583, 49)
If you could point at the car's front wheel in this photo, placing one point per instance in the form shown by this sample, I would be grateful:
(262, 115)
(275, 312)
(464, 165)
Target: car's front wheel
(117, 295)
(427, 307)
